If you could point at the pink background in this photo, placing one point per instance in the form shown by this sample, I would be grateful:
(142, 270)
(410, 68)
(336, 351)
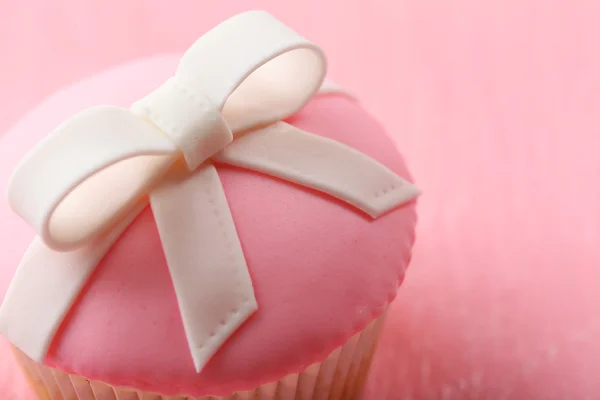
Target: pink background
(496, 105)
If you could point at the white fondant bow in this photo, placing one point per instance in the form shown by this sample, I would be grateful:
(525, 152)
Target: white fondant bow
(83, 185)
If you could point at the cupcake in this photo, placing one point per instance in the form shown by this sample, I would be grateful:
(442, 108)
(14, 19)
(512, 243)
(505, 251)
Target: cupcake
(226, 224)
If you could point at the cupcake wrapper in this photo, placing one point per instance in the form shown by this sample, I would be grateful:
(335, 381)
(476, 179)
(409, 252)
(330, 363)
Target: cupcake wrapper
(340, 376)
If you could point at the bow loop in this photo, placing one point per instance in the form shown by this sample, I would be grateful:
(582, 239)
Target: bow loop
(254, 68)
(76, 184)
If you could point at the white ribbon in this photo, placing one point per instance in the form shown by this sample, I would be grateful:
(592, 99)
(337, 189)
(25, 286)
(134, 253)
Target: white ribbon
(86, 182)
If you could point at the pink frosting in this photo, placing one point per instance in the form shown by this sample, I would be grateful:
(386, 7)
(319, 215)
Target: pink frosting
(321, 270)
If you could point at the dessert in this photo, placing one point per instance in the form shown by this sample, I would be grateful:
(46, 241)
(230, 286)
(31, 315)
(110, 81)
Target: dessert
(238, 231)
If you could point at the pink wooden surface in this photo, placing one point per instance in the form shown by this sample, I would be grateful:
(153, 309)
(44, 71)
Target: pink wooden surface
(496, 105)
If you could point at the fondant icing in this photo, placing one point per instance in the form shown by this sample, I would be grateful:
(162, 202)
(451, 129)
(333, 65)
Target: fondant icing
(321, 270)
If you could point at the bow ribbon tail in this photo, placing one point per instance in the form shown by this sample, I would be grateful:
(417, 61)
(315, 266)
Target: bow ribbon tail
(204, 254)
(45, 286)
(328, 166)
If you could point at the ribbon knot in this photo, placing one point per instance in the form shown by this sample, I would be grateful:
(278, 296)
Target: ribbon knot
(189, 119)
(85, 183)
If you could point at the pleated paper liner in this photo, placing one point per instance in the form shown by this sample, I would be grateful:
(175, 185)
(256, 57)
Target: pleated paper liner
(340, 377)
